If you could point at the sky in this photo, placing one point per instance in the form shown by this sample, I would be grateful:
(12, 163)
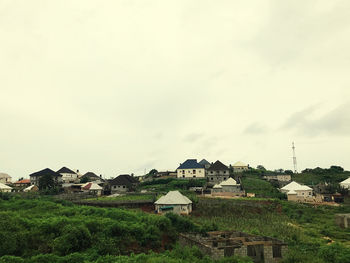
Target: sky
(123, 86)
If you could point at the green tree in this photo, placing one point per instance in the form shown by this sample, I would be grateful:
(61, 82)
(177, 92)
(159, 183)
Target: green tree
(46, 182)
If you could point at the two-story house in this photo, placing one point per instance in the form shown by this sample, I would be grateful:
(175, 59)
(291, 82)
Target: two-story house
(191, 169)
(34, 177)
(217, 172)
(68, 176)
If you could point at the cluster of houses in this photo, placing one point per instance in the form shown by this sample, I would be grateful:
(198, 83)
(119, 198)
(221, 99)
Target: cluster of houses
(71, 182)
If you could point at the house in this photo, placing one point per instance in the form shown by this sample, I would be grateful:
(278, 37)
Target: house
(91, 177)
(279, 177)
(123, 183)
(32, 188)
(34, 177)
(220, 244)
(298, 192)
(5, 178)
(5, 188)
(92, 188)
(174, 202)
(22, 183)
(228, 188)
(239, 167)
(190, 169)
(217, 172)
(205, 163)
(68, 176)
(345, 184)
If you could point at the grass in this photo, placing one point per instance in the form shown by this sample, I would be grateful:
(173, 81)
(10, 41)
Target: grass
(128, 197)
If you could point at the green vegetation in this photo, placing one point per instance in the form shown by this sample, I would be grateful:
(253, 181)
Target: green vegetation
(169, 184)
(261, 188)
(308, 231)
(334, 174)
(127, 197)
(44, 230)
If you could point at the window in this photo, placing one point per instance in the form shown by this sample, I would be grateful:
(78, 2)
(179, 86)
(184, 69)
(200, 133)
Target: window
(183, 171)
(194, 176)
(194, 171)
(200, 171)
(251, 251)
(183, 176)
(215, 244)
(224, 178)
(224, 172)
(212, 178)
(211, 172)
(123, 186)
(276, 251)
(309, 193)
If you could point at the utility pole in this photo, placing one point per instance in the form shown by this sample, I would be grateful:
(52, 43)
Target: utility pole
(294, 159)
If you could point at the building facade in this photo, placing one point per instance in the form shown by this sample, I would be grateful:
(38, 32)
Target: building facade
(191, 169)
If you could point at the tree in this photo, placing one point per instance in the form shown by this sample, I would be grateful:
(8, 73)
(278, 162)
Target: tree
(260, 167)
(290, 172)
(46, 182)
(84, 179)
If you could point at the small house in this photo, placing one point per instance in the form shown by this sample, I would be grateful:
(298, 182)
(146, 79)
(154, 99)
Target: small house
(5, 188)
(92, 177)
(298, 192)
(5, 178)
(22, 183)
(123, 183)
(92, 188)
(173, 202)
(190, 169)
(228, 188)
(240, 167)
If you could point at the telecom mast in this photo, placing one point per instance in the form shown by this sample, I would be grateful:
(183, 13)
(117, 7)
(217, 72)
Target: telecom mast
(294, 159)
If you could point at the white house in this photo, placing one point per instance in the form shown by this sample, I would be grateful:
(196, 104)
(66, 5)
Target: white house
(92, 188)
(5, 178)
(174, 202)
(68, 176)
(228, 186)
(239, 167)
(5, 188)
(345, 184)
(190, 169)
(301, 190)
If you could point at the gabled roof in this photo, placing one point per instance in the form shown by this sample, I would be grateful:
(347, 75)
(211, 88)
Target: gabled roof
(123, 179)
(230, 181)
(173, 198)
(65, 170)
(204, 162)
(240, 164)
(190, 164)
(5, 187)
(46, 172)
(217, 166)
(295, 186)
(29, 188)
(24, 181)
(90, 175)
(217, 186)
(346, 181)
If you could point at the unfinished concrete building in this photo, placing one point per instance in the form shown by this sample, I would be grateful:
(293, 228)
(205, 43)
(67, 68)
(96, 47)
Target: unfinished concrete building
(220, 244)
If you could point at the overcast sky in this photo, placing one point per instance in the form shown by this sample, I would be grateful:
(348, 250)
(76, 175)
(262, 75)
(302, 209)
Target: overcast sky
(122, 86)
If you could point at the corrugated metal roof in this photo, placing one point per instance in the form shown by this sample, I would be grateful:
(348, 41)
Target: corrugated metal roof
(228, 182)
(190, 164)
(4, 187)
(173, 198)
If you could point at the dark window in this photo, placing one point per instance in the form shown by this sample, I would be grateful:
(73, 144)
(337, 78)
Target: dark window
(123, 186)
(212, 178)
(183, 171)
(194, 176)
(251, 251)
(183, 176)
(276, 251)
(194, 171)
(215, 244)
(211, 172)
(224, 172)
(224, 178)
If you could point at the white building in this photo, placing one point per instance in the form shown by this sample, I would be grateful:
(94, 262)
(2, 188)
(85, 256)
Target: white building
(345, 184)
(190, 169)
(5, 178)
(5, 188)
(239, 167)
(68, 176)
(301, 190)
(174, 202)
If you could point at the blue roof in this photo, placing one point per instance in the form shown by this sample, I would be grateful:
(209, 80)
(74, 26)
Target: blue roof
(190, 164)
